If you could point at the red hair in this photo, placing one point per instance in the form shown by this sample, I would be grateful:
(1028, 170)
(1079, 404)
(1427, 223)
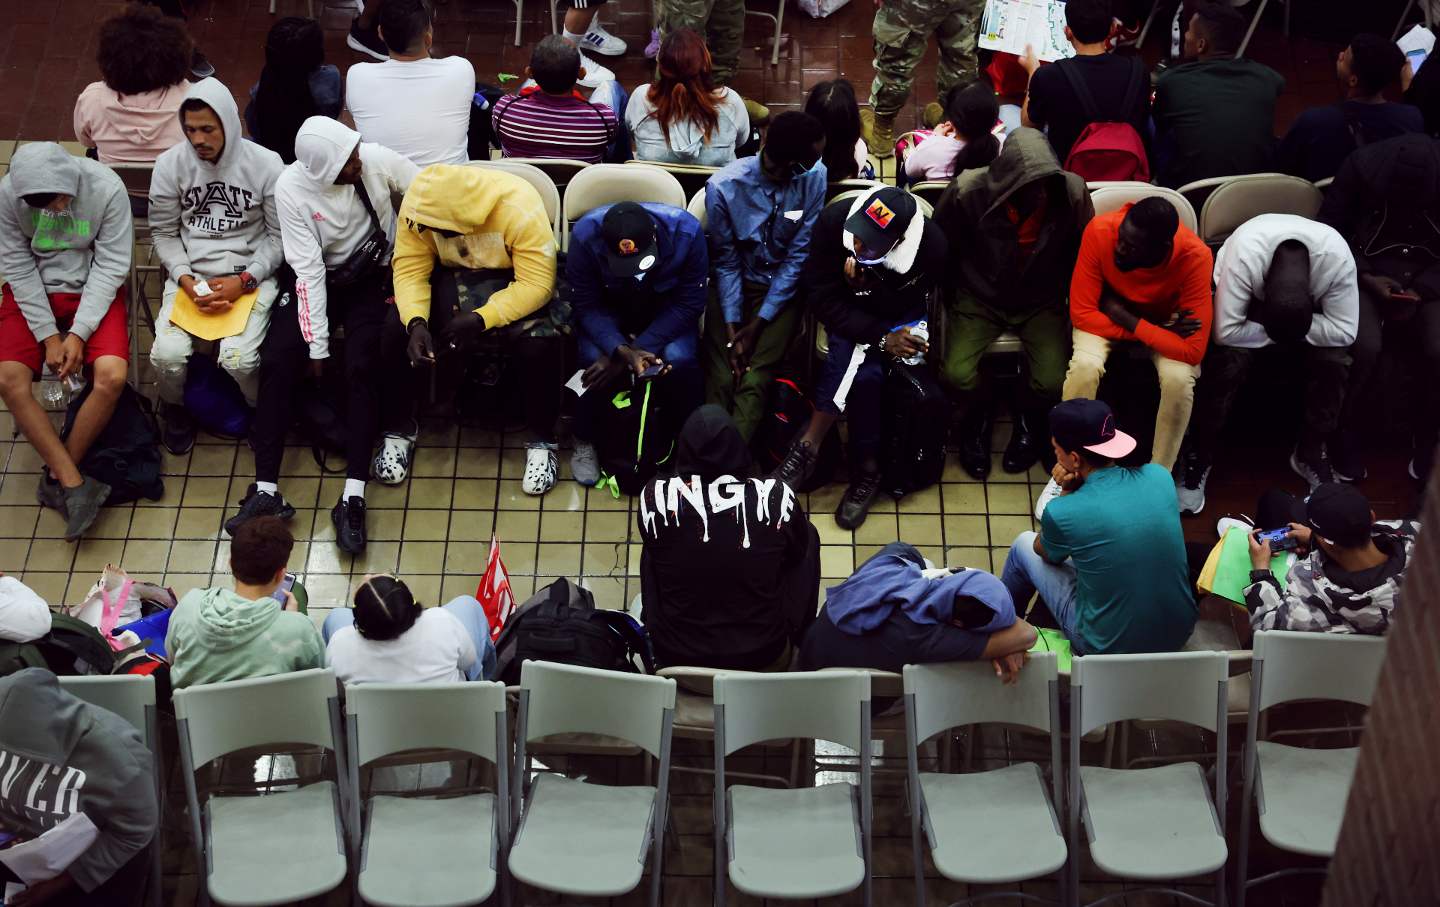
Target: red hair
(686, 87)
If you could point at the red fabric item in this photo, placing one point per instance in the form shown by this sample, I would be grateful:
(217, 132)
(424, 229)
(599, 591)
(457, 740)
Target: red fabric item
(18, 344)
(1027, 231)
(1109, 151)
(1182, 282)
(1007, 75)
(494, 593)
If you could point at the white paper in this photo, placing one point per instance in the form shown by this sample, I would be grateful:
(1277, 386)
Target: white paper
(576, 384)
(1417, 43)
(11, 890)
(1010, 25)
(52, 853)
(794, 215)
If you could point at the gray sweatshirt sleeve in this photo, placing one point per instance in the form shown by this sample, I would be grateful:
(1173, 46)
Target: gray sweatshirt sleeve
(165, 219)
(18, 265)
(128, 824)
(114, 243)
(270, 251)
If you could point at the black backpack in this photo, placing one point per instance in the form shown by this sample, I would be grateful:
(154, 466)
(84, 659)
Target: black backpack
(561, 623)
(635, 434)
(912, 454)
(71, 647)
(126, 455)
(787, 410)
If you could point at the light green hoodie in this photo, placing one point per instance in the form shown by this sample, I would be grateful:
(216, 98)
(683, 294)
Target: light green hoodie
(216, 635)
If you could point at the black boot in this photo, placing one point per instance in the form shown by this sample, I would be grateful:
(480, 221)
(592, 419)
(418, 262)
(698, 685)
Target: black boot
(976, 430)
(179, 429)
(1028, 438)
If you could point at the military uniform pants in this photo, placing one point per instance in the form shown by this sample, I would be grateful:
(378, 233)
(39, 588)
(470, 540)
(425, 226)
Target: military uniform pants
(902, 28)
(720, 22)
(745, 399)
(971, 327)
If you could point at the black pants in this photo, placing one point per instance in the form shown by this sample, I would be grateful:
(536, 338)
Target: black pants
(124, 888)
(1424, 399)
(370, 392)
(540, 359)
(1278, 509)
(1223, 375)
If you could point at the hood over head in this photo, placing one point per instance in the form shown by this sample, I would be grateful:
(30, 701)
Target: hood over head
(1025, 156)
(227, 621)
(38, 719)
(322, 147)
(43, 168)
(868, 598)
(218, 98)
(456, 197)
(710, 445)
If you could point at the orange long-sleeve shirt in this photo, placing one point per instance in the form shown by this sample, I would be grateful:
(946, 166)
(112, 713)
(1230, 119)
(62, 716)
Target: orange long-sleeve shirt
(1182, 282)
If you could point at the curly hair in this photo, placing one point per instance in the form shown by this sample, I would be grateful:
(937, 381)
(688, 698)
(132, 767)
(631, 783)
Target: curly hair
(142, 50)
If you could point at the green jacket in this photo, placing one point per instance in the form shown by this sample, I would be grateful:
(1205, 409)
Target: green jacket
(216, 635)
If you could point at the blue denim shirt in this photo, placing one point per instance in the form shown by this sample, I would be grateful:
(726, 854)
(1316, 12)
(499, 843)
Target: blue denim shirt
(760, 232)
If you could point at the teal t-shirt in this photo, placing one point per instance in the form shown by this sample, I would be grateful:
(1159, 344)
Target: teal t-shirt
(1121, 530)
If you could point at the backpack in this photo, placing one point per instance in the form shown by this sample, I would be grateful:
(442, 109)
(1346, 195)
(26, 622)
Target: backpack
(560, 623)
(71, 647)
(214, 399)
(912, 454)
(1108, 150)
(635, 435)
(126, 455)
(787, 410)
(319, 419)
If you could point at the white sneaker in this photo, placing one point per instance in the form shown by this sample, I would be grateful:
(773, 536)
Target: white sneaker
(541, 467)
(585, 464)
(1051, 492)
(1226, 523)
(391, 465)
(599, 41)
(594, 73)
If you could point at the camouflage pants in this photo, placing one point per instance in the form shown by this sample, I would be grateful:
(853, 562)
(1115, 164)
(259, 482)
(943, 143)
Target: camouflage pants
(720, 22)
(903, 28)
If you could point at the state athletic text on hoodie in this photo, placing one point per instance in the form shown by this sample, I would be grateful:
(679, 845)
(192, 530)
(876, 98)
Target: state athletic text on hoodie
(216, 219)
(321, 223)
(84, 249)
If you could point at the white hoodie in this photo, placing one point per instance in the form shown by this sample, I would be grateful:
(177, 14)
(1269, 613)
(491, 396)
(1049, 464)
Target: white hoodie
(321, 223)
(216, 219)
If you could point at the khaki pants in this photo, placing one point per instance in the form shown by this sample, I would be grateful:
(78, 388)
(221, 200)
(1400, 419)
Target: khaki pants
(1177, 391)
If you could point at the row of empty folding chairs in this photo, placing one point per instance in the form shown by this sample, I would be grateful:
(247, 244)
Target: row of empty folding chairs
(579, 838)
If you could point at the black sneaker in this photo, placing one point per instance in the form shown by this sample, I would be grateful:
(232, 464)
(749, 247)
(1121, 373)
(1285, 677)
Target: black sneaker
(1314, 470)
(976, 432)
(258, 503)
(200, 66)
(349, 519)
(799, 462)
(367, 41)
(50, 493)
(1346, 461)
(178, 433)
(855, 505)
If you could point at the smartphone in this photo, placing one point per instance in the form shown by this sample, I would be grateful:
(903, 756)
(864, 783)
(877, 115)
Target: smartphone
(285, 586)
(652, 372)
(1277, 539)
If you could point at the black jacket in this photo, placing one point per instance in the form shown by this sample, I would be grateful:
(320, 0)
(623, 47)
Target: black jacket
(1385, 201)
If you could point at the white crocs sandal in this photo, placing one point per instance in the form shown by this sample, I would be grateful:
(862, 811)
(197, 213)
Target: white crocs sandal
(391, 465)
(542, 465)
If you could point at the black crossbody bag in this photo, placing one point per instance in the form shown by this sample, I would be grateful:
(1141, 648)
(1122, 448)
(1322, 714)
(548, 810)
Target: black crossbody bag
(368, 259)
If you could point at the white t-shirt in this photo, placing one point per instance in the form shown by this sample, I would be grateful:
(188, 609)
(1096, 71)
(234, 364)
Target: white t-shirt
(436, 650)
(419, 108)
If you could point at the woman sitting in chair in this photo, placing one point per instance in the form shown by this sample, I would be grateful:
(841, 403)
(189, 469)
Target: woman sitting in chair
(683, 118)
(833, 104)
(968, 137)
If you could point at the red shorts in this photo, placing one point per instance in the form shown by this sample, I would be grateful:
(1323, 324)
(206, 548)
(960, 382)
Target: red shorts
(18, 344)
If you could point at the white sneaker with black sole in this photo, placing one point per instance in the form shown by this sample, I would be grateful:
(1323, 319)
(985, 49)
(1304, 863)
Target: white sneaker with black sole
(542, 465)
(1051, 492)
(599, 41)
(1315, 474)
(1190, 482)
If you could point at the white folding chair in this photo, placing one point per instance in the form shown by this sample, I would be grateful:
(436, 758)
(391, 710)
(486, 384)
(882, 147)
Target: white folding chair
(778, 17)
(619, 825)
(1237, 199)
(994, 827)
(442, 852)
(838, 190)
(1149, 824)
(280, 847)
(132, 697)
(1300, 792)
(136, 177)
(929, 190)
(309, 8)
(549, 193)
(607, 184)
(692, 177)
(561, 170)
(809, 842)
(697, 208)
(1112, 196)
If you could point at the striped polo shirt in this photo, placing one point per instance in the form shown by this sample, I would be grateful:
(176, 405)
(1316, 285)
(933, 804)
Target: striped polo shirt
(535, 124)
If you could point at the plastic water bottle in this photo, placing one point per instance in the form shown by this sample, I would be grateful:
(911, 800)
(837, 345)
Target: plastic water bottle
(52, 391)
(920, 330)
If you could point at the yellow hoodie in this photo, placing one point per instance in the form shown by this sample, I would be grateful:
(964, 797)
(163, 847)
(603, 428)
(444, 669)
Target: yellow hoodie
(502, 224)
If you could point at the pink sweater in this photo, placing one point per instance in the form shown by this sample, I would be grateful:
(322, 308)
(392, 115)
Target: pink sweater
(133, 127)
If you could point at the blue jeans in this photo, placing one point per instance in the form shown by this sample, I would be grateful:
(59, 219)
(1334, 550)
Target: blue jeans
(616, 98)
(471, 614)
(1026, 573)
(861, 399)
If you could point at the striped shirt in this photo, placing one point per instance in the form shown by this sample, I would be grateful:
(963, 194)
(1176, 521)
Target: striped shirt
(535, 124)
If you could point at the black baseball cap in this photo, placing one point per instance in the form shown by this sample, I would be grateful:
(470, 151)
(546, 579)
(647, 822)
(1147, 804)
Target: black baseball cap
(1339, 514)
(882, 220)
(1089, 424)
(629, 234)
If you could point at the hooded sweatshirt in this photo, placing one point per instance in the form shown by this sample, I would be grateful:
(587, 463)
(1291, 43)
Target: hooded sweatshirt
(729, 568)
(686, 142)
(1385, 201)
(84, 249)
(217, 635)
(322, 223)
(60, 756)
(212, 220)
(975, 214)
(129, 127)
(503, 225)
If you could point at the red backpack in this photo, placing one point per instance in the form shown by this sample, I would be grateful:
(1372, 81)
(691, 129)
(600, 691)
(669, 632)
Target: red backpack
(1108, 150)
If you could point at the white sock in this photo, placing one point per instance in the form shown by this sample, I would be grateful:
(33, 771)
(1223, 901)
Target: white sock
(354, 488)
(578, 40)
(268, 488)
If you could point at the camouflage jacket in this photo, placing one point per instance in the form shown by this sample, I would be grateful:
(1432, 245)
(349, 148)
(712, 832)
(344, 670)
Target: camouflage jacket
(1314, 602)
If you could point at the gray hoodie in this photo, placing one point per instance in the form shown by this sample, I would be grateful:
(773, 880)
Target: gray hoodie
(214, 220)
(59, 756)
(217, 635)
(84, 249)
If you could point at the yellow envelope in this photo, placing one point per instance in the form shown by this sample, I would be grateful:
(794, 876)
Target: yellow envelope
(187, 316)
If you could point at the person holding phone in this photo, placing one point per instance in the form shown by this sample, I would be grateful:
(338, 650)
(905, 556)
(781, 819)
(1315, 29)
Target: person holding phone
(636, 275)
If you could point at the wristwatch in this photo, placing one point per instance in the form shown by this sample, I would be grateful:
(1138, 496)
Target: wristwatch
(247, 282)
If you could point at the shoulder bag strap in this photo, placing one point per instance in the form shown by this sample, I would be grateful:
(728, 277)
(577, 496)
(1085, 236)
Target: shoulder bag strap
(1082, 91)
